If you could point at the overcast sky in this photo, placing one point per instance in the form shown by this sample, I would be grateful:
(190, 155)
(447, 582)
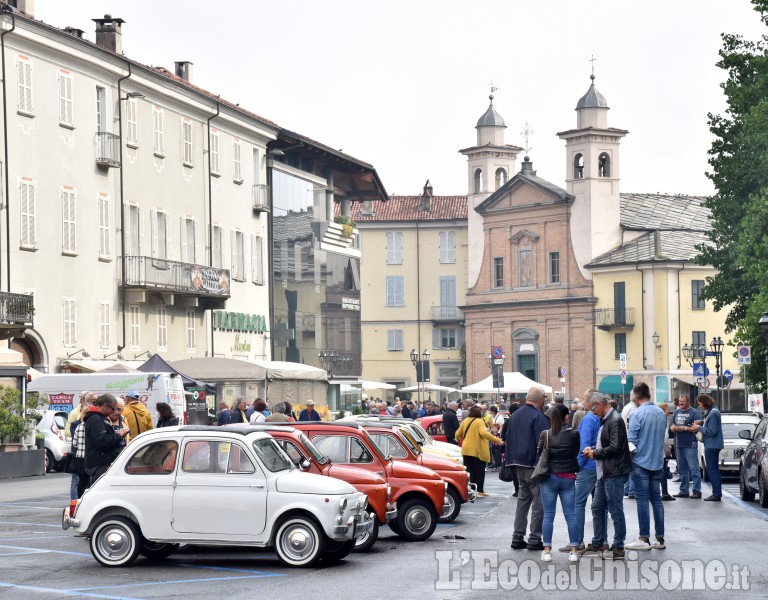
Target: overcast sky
(401, 84)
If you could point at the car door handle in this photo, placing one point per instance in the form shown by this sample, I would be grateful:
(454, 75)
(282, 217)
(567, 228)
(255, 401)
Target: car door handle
(257, 485)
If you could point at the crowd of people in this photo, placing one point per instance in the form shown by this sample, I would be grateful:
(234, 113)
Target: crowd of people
(259, 412)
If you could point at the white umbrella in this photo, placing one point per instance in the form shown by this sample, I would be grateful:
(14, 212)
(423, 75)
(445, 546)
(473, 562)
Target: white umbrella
(373, 385)
(428, 387)
(514, 383)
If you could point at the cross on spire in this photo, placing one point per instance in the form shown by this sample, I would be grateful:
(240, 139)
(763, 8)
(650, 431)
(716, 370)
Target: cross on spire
(527, 132)
(592, 60)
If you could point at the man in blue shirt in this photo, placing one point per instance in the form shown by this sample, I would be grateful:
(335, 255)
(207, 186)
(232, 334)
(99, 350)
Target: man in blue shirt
(687, 447)
(586, 478)
(309, 413)
(647, 430)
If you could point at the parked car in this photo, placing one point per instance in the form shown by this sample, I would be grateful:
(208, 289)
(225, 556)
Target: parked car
(428, 445)
(306, 456)
(753, 468)
(52, 425)
(419, 492)
(397, 442)
(215, 486)
(433, 425)
(730, 455)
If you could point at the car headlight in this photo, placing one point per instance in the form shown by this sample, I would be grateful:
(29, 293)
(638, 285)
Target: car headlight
(342, 505)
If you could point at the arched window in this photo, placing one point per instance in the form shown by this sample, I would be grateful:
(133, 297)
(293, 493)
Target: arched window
(604, 165)
(578, 166)
(479, 188)
(501, 177)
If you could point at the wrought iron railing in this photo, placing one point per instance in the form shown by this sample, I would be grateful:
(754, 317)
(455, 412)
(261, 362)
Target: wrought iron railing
(17, 309)
(260, 197)
(107, 149)
(447, 313)
(173, 276)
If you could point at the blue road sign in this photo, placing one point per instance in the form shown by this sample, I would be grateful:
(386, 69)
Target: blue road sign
(710, 353)
(700, 370)
(728, 375)
(497, 352)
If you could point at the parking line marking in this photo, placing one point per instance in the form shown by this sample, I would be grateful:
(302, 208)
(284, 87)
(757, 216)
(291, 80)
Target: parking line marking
(24, 553)
(30, 506)
(173, 581)
(33, 524)
(755, 511)
(46, 550)
(252, 571)
(29, 539)
(60, 592)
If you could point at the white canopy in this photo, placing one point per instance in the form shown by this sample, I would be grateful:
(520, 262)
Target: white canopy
(222, 369)
(373, 385)
(428, 387)
(514, 383)
(93, 365)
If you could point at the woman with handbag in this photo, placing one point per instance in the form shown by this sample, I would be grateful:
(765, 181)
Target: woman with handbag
(710, 432)
(561, 444)
(474, 437)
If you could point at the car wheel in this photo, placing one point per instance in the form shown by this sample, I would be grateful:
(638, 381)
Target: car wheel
(762, 494)
(116, 542)
(49, 462)
(394, 527)
(335, 551)
(704, 474)
(454, 506)
(299, 542)
(154, 550)
(416, 519)
(744, 492)
(364, 542)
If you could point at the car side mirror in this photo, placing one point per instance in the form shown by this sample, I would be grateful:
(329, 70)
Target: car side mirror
(745, 434)
(304, 464)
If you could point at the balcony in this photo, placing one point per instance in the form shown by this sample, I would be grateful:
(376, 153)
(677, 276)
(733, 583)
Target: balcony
(17, 313)
(159, 281)
(260, 197)
(107, 149)
(447, 314)
(614, 318)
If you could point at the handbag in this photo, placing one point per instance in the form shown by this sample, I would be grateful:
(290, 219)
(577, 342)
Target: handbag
(541, 471)
(507, 473)
(69, 466)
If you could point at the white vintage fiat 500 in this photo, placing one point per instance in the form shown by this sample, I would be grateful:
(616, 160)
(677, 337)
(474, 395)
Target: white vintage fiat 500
(215, 486)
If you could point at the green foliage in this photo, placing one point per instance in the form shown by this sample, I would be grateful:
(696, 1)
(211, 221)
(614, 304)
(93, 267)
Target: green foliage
(13, 426)
(357, 410)
(738, 246)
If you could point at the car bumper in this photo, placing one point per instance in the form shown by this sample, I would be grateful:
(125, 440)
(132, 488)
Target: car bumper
(355, 526)
(391, 513)
(472, 493)
(67, 521)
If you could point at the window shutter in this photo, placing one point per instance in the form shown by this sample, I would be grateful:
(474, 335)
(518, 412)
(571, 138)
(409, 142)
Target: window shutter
(196, 241)
(65, 217)
(28, 90)
(62, 99)
(183, 236)
(167, 222)
(459, 337)
(441, 245)
(32, 216)
(233, 253)
(20, 83)
(127, 230)
(153, 224)
(73, 219)
(436, 339)
(254, 260)
(141, 227)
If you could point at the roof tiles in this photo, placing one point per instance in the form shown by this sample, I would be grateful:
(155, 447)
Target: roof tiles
(407, 208)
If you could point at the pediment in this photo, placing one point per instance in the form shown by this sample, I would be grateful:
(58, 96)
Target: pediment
(523, 234)
(523, 190)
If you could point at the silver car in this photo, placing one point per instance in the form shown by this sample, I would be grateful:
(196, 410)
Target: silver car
(52, 425)
(734, 446)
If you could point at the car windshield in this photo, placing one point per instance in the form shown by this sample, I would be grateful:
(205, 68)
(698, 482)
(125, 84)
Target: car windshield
(271, 455)
(373, 445)
(421, 436)
(312, 449)
(405, 436)
(731, 430)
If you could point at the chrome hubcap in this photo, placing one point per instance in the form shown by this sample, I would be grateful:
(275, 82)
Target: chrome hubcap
(114, 543)
(417, 520)
(298, 542)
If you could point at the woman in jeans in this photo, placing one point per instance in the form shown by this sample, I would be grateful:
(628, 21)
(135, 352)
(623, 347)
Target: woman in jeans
(563, 444)
(712, 431)
(474, 448)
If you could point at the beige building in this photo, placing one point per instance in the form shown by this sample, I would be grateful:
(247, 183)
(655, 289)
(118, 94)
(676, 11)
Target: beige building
(414, 273)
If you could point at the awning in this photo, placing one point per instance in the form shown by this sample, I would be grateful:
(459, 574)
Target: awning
(611, 384)
(95, 365)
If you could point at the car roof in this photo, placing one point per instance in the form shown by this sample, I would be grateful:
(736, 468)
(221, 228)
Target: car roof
(375, 424)
(351, 424)
(206, 429)
(739, 417)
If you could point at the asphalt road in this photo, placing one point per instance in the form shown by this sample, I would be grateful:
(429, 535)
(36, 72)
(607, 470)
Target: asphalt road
(40, 560)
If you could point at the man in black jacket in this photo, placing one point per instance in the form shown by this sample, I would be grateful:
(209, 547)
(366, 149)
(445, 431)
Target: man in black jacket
(613, 465)
(102, 442)
(450, 423)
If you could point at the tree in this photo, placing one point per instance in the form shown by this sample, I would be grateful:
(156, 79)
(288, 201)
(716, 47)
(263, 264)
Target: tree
(738, 240)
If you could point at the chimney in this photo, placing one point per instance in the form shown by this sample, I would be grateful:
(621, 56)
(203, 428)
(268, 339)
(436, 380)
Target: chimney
(366, 208)
(109, 33)
(527, 167)
(184, 70)
(426, 198)
(74, 31)
(25, 6)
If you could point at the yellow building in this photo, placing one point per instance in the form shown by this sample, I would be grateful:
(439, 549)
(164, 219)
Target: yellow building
(413, 278)
(648, 305)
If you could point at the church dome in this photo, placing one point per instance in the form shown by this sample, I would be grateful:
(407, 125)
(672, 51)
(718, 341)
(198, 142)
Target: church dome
(491, 118)
(593, 98)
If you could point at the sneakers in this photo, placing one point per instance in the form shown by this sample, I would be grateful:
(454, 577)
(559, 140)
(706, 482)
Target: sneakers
(535, 546)
(573, 557)
(518, 544)
(483, 494)
(546, 556)
(696, 496)
(658, 544)
(614, 554)
(591, 549)
(712, 499)
(567, 548)
(639, 544)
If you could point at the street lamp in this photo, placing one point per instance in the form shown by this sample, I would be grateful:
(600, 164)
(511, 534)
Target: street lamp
(696, 353)
(763, 326)
(717, 348)
(496, 365)
(422, 369)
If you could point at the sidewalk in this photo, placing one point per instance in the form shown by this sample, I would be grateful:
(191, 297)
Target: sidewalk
(33, 488)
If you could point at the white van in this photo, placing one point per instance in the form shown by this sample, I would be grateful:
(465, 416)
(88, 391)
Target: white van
(63, 389)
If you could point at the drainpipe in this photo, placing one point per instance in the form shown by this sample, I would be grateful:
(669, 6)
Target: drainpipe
(7, 10)
(210, 211)
(123, 293)
(679, 313)
(642, 310)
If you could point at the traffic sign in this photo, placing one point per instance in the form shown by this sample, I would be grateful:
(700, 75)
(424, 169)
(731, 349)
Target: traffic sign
(563, 372)
(700, 370)
(727, 374)
(745, 355)
(707, 384)
(498, 361)
(497, 351)
(623, 373)
(623, 361)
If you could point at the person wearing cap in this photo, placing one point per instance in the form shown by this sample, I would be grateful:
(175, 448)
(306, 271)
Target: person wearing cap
(136, 415)
(309, 413)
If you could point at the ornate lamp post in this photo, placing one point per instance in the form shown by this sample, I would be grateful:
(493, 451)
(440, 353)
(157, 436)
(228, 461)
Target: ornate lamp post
(422, 369)
(763, 326)
(717, 348)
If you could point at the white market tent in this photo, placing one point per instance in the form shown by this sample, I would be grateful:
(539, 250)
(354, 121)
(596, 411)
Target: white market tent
(372, 385)
(428, 387)
(514, 383)
(217, 369)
